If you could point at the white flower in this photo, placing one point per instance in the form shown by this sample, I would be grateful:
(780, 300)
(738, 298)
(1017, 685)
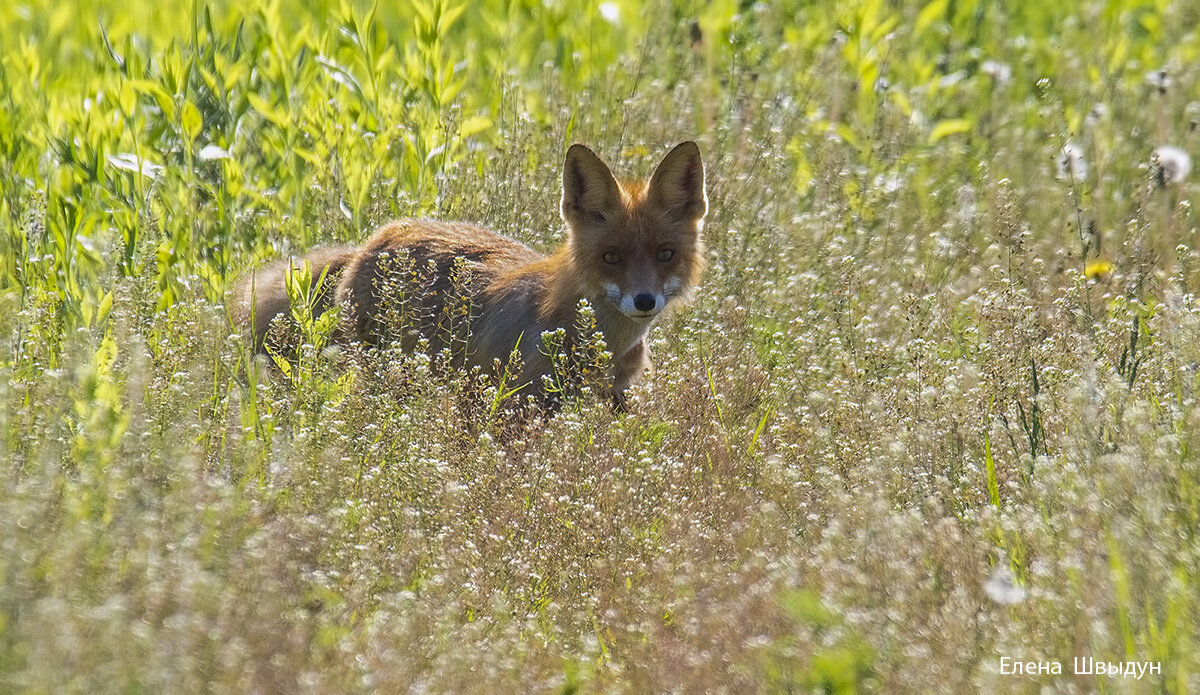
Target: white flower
(611, 12)
(1002, 586)
(1000, 72)
(1071, 163)
(1159, 79)
(211, 152)
(888, 183)
(1172, 165)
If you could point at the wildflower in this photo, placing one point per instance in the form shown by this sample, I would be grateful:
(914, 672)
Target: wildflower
(1171, 165)
(1096, 114)
(1071, 163)
(1000, 72)
(1159, 79)
(211, 152)
(1003, 588)
(611, 12)
(889, 183)
(1097, 269)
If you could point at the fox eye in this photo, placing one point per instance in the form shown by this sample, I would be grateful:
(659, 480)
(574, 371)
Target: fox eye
(612, 257)
(665, 255)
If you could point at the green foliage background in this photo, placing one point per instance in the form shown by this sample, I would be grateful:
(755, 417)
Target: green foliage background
(932, 348)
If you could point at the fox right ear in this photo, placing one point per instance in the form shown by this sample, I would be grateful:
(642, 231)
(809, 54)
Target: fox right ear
(590, 193)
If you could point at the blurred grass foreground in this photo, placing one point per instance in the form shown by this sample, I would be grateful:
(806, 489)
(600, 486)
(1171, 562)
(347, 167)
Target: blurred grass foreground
(932, 413)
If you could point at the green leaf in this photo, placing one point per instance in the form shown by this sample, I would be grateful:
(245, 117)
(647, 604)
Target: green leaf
(191, 120)
(847, 134)
(160, 95)
(268, 111)
(280, 361)
(449, 17)
(930, 14)
(474, 125)
(948, 127)
(989, 463)
(105, 306)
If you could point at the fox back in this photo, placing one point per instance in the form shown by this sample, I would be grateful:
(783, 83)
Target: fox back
(633, 250)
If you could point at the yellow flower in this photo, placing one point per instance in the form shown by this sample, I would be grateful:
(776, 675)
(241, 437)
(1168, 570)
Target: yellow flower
(1098, 268)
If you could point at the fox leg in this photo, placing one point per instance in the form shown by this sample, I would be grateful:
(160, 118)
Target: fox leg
(627, 369)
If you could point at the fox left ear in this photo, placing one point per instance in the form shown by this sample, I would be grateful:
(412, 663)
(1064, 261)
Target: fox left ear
(677, 185)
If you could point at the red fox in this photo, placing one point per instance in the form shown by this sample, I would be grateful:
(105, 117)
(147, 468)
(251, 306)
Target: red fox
(632, 250)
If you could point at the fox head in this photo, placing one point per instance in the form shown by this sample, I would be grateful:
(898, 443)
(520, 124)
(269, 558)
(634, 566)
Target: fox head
(636, 245)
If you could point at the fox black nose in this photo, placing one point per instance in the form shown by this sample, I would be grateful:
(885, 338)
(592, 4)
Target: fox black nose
(644, 302)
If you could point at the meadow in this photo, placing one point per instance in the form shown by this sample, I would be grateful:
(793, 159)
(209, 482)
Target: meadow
(932, 408)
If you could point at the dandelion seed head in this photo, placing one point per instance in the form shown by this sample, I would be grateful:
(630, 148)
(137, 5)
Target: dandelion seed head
(1172, 165)
(1159, 79)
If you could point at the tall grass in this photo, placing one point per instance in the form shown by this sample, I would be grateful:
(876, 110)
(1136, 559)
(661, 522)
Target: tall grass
(947, 341)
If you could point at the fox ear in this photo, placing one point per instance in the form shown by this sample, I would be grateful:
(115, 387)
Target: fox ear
(590, 193)
(677, 186)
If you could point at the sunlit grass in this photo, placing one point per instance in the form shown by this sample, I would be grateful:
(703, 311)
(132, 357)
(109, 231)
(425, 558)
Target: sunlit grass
(934, 403)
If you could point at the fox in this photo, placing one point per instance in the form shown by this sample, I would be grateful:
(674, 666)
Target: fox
(632, 249)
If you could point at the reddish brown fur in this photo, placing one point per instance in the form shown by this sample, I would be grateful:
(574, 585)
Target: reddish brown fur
(487, 257)
(643, 228)
(263, 295)
(407, 268)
